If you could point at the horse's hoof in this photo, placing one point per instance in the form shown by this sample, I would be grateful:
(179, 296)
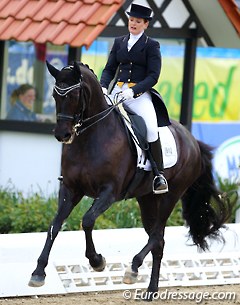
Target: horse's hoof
(102, 266)
(36, 281)
(130, 277)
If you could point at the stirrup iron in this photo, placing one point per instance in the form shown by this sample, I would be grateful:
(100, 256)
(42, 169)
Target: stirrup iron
(159, 185)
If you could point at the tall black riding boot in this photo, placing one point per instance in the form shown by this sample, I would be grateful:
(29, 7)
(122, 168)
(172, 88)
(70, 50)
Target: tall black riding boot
(160, 184)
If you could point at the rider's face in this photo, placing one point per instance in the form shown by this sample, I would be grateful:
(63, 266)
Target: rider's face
(137, 25)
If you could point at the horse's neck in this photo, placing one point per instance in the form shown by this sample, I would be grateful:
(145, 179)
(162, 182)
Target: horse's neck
(97, 108)
(101, 117)
(97, 103)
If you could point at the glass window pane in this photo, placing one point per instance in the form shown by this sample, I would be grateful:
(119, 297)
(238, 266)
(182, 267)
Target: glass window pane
(27, 94)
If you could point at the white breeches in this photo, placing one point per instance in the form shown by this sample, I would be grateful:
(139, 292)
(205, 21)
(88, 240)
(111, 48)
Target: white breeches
(142, 106)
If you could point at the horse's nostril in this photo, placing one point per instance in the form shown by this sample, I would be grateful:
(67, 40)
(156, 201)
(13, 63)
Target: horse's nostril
(67, 136)
(63, 137)
(58, 138)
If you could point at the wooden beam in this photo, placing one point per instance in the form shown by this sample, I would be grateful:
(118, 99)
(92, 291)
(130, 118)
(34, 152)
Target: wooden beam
(188, 83)
(2, 46)
(74, 54)
(154, 32)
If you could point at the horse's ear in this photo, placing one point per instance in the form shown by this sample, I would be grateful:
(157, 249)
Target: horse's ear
(77, 71)
(52, 70)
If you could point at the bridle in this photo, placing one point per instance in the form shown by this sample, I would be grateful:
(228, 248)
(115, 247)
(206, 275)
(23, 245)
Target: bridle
(63, 92)
(78, 119)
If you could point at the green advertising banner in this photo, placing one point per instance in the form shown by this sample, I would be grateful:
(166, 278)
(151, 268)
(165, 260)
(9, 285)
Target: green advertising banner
(216, 91)
(217, 84)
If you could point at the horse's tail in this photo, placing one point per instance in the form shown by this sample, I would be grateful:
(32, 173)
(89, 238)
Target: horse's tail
(204, 209)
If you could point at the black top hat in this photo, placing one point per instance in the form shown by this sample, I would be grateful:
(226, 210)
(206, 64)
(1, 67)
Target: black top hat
(140, 11)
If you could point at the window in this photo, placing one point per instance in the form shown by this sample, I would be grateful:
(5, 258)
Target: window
(24, 63)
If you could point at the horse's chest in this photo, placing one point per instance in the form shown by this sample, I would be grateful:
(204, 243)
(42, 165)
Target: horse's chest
(79, 169)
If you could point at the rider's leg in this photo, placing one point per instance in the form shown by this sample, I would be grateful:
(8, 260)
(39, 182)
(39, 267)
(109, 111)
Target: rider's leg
(160, 185)
(143, 106)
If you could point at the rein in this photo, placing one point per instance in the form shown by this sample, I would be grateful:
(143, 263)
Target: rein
(78, 118)
(103, 113)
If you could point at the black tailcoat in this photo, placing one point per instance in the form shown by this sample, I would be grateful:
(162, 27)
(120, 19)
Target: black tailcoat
(140, 65)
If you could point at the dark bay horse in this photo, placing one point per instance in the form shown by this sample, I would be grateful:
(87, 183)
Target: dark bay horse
(97, 161)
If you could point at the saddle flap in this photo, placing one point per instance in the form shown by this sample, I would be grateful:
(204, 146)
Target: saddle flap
(140, 130)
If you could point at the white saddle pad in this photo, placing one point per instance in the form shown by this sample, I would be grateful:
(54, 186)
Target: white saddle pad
(169, 150)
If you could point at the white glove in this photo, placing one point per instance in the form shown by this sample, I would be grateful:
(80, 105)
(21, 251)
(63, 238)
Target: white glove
(127, 94)
(104, 90)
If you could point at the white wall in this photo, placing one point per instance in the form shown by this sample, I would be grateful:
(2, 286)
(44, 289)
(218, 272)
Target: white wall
(182, 265)
(30, 162)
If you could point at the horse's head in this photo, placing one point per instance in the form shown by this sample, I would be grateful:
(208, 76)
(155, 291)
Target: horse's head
(70, 102)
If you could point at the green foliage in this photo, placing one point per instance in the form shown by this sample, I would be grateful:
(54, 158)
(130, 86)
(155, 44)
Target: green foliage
(123, 214)
(230, 193)
(175, 218)
(35, 213)
(19, 214)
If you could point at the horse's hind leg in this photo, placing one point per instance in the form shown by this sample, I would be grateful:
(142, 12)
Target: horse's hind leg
(155, 211)
(66, 203)
(149, 210)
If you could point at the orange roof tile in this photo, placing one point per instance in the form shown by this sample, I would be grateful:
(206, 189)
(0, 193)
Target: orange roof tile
(72, 22)
(232, 12)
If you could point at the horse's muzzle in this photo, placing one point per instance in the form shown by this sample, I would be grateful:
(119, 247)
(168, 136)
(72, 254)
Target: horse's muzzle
(64, 135)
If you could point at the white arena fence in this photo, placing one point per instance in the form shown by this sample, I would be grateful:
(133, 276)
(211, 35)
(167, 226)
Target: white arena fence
(69, 272)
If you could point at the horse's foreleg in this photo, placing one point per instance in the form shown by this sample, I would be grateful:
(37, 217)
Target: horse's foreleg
(99, 206)
(65, 206)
